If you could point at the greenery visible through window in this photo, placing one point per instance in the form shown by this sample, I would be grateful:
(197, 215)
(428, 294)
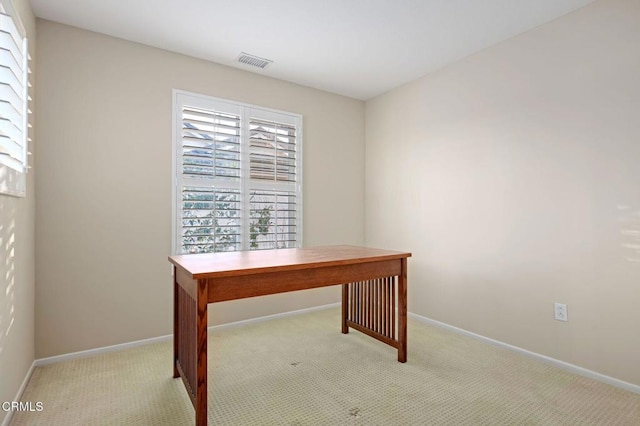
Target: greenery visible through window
(238, 176)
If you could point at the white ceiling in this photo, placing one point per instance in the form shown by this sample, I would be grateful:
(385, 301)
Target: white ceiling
(357, 48)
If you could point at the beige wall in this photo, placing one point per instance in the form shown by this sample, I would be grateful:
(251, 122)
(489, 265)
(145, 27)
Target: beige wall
(17, 265)
(513, 176)
(103, 223)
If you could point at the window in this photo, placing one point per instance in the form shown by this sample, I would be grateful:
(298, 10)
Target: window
(237, 176)
(14, 97)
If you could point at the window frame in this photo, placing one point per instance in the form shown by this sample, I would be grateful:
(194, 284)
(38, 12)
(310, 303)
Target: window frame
(246, 185)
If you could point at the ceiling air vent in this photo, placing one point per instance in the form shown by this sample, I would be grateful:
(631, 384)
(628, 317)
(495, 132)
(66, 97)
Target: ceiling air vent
(254, 61)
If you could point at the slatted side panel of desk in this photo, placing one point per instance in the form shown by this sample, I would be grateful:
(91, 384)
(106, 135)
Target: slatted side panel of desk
(372, 308)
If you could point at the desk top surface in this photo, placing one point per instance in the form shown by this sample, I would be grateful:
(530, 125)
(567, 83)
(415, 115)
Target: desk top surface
(211, 265)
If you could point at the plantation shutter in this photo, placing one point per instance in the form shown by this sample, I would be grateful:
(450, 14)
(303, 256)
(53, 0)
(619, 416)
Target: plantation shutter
(13, 104)
(273, 160)
(238, 183)
(211, 214)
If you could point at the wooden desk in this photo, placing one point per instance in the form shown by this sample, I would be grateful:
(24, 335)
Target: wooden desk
(373, 282)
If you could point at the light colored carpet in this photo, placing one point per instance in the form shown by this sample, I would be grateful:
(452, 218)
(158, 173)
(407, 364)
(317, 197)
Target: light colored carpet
(302, 371)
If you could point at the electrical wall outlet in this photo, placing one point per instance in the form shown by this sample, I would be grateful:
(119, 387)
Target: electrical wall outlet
(560, 312)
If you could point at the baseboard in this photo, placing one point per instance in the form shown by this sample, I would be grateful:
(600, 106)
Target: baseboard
(27, 377)
(556, 362)
(129, 345)
(99, 351)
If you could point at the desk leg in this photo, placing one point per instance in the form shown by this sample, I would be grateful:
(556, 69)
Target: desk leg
(402, 312)
(345, 308)
(201, 354)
